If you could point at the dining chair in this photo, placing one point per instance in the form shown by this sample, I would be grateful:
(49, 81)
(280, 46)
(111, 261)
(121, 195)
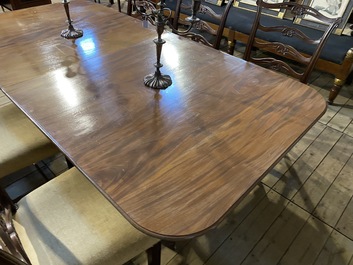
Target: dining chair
(111, 2)
(288, 33)
(21, 143)
(5, 5)
(209, 33)
(67, 221)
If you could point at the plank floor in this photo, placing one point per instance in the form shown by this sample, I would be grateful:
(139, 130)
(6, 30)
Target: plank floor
(301, 213)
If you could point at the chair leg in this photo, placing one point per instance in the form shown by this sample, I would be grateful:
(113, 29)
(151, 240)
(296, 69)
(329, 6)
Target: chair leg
(5, 198)
(41, 172)
(231, 42)
(69, 163)
(169, 244)
(129, 7)
(338, 83)
(3, 7)
(154, 254)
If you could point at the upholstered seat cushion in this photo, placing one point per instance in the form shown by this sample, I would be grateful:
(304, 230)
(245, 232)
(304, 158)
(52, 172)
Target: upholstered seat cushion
(68, 221)
(21, 143)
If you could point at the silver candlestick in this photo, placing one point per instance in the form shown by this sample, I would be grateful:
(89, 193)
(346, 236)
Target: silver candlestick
(70, 32)
(158, 18)
(156, 80)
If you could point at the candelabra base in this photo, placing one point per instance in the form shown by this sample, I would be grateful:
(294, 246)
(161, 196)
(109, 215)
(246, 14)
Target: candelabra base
(71, 33)
(157, 80)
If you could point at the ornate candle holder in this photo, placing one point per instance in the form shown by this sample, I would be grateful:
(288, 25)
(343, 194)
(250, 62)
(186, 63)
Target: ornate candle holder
(70, 32)
(156, 17)
(194, 8)
(194, 22)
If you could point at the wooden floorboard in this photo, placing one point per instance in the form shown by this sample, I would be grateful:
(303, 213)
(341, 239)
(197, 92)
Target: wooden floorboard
(342, 119)
(293, 155)
(308, 244)
(247, 235)
(345, 223)
(279, 237)
(336, 199)
(303, 168)
(313, 190)
(338, 249)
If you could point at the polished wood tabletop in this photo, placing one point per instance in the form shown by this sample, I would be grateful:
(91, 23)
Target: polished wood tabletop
(174, 161)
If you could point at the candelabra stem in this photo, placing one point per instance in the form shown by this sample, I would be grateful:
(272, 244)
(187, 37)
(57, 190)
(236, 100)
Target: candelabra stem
(157, 80)
(195, 8)
(70, 32)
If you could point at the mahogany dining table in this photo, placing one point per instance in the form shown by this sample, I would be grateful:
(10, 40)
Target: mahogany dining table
(174, 162)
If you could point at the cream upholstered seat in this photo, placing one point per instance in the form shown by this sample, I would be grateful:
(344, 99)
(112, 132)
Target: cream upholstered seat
(68, 221)
(21, 143)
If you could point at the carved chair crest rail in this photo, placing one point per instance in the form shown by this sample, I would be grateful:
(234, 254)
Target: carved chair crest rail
(279, 38)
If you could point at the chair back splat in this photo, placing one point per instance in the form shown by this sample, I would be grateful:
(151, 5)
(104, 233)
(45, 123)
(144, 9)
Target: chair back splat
(201, 31)
(10, 244)
(284, 49)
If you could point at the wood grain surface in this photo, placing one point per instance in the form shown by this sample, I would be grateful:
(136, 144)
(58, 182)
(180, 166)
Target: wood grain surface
(31, 44)
(174, 162)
